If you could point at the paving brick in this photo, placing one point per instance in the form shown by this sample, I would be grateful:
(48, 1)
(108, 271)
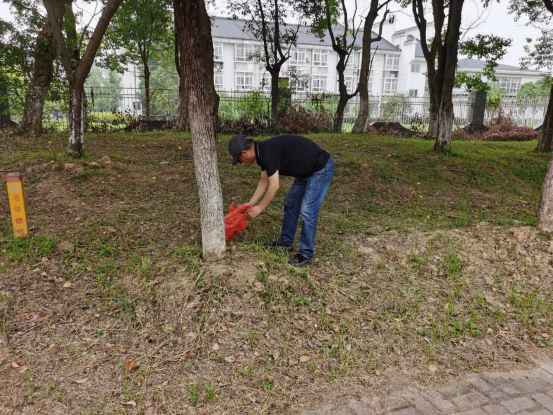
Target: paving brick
(446, 407)
(394, 403)
(540, 412)
(323, 410)
(548, 367)
(544, 400)
(550, 393)
(503, 383)
(531, 385)
(491, 391)
(422, 405)
(544, 375)
(470, 400)
(495, 410)
(459, 388)
(359, 408)
(517, 405)
(475, 412)
(405, 411)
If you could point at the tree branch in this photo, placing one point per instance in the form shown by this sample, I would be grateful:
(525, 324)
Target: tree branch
(58, 34)
(96, 39)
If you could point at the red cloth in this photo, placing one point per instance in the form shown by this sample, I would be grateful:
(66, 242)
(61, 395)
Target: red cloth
(235, 221)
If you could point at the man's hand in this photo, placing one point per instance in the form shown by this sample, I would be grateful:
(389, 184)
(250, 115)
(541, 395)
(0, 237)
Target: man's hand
(255, 211)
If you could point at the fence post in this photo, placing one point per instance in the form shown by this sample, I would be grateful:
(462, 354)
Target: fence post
(477, 109)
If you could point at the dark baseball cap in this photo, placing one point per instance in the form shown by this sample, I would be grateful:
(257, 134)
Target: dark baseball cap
(235, 146)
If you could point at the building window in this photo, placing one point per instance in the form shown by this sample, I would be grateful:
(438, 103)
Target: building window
(244, 80)
(244, 53)
(392, 63)
(320, 57)
(348, 80)
(509, 85)
(218, 75)
(297, 57)
(413, 93)
(390, 82)
(415, 67)
(353, 61)
(318, 83)
(426, 84)
(217, 51)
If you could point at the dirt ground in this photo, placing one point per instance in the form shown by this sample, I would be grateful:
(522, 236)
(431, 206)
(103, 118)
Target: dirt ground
(108, 308)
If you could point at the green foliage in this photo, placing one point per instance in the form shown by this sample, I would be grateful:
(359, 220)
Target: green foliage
(489, 47)
(254, 104)
(535, 90)
(493, 100)
(142, 29)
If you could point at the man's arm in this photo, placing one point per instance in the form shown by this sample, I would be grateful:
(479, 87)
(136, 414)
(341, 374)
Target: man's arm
(261, 187)
(272, 189)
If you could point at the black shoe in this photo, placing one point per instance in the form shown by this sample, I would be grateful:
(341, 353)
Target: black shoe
(299, 261)
(278, 246)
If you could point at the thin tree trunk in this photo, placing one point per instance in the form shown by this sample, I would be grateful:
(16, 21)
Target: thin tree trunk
(545, 213)
(197, 52)
(274, 93)
(545, 142)
(339, 115)
(443, 139)
(76, 120)
(44, 56)
(147, 87)
(360, 125)
(182, 119)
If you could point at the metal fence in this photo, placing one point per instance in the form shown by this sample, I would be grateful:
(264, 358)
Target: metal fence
(111, 108)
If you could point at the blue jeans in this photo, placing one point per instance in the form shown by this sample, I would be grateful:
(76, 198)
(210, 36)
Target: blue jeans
(304, 199)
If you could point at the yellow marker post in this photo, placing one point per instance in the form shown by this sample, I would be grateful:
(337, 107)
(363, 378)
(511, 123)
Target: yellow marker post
(17, 205)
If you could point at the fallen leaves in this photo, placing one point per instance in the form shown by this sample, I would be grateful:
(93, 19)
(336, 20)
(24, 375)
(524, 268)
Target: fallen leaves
(67, 285)
(81, 381)
(131, 365)
(305, 359)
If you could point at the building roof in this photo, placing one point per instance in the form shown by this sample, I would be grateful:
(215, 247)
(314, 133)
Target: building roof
(234, 29)
(478, 64)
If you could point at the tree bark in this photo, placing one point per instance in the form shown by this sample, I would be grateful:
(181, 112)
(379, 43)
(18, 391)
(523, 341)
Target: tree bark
(545, 142)
(147, 87)
(344, 97)
(44, 56)
(182, 123)
(445, 124)
(433, 123)
(197, 68)
(274, 93)
(76, 120)
(545, 213)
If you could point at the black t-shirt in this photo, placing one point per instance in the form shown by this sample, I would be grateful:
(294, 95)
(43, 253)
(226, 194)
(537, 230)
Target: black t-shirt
(291, 155)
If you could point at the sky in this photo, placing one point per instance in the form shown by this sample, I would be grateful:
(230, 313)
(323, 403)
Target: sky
(496, 20)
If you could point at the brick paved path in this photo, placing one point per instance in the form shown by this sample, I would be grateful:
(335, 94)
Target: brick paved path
(521, 392)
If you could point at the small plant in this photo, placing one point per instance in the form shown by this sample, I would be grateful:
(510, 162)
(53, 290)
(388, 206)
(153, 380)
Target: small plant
(210, 391)
(193, 393)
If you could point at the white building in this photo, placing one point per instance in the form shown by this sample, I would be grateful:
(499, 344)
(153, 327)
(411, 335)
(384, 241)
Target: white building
(413, 80)
(398, 67)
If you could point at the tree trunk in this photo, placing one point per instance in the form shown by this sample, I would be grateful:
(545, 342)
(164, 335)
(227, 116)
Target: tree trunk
(44, 56)
(147, 87)
(360, 125)
(339, 115)
(545, 213)
(5, 120)
(274, 93)
(197, 57)
(433, 124)
(443, 139)
(545, 142)
(76, 120)
(182, 118)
